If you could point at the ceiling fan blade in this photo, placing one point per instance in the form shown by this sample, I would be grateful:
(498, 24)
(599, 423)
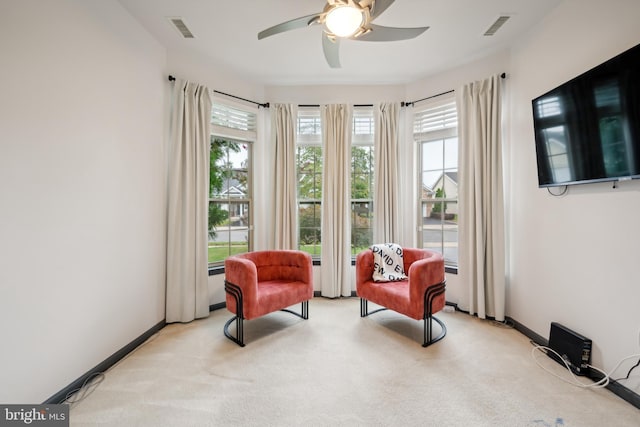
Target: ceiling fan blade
(294, 24)
(380, 6)
(331, 50)
(379, 33)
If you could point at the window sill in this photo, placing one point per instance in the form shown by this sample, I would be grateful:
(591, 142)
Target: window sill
(214, 271)
(450, 269)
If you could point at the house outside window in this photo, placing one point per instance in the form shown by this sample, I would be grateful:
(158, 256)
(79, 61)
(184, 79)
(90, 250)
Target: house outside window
(435, 130)
(230, 200)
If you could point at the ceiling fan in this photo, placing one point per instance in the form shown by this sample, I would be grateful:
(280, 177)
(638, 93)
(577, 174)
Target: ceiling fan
(349, 19)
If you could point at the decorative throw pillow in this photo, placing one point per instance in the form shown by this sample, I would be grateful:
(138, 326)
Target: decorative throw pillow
(388, 262)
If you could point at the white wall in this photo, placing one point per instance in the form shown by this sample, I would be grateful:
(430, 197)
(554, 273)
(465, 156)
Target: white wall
(82, 177)
(574, 259)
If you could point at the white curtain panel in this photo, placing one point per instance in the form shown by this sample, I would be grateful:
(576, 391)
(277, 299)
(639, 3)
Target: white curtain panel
(336, 195)
(481, 226)
(385, 200)
(187, 296)
(283, 124)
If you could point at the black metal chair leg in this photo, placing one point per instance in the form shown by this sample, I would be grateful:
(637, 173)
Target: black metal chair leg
(428, 340)
(364, 308)
(239, 338)
(429, 296)
(304, 314)
(236, 292)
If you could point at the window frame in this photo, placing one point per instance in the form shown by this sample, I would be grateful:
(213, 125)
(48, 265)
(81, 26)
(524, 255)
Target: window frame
(362, 139)
(242, 130)
(313, 118)
(432, 122)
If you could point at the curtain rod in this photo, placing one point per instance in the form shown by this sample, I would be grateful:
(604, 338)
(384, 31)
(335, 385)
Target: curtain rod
(265, 105)
(318, 105)
(411, 103)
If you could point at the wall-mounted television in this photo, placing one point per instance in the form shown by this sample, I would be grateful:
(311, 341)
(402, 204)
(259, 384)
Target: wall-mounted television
(588, 129)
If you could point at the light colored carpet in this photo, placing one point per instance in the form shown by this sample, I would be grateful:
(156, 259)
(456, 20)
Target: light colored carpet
(337, 369)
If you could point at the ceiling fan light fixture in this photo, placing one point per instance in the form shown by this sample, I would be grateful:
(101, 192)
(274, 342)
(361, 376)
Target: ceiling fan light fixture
(344, 20)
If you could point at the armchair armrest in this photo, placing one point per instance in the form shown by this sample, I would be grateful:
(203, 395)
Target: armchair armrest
(242, 273)
(364, 267)
(424, 273)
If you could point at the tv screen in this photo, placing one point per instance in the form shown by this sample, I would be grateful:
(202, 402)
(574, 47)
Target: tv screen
(588, 129)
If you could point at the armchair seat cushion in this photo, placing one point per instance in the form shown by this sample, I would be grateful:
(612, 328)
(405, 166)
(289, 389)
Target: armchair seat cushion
(395, 296)
(274, 295)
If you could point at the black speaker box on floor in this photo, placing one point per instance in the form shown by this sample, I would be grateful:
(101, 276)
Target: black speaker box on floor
(572, 347)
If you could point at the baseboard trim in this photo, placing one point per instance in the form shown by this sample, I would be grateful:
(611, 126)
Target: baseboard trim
(218, 306)
(317, 294)
(60, 396)
(538, 339)
(615, 387)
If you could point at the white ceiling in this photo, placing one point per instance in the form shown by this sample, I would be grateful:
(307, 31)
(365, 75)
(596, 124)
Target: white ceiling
(226, 35)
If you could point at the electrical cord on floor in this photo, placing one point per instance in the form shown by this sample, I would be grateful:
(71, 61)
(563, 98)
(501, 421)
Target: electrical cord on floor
(574, 379)
(88, 386)
(632, 368)
(93, 381)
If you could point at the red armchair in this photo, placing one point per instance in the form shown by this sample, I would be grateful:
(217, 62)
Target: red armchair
(418, 297)
(258, 283)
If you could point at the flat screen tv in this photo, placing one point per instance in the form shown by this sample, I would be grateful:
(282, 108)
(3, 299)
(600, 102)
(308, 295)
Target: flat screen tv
(588, 129)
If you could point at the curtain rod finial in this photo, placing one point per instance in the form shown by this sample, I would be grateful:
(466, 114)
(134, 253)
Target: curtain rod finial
(171, 78)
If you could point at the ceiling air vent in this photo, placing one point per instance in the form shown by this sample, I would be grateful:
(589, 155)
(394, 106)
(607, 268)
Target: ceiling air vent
(179, 24)
(496, 25)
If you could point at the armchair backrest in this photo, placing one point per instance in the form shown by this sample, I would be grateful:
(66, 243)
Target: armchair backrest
(364, 262)
(281, 265)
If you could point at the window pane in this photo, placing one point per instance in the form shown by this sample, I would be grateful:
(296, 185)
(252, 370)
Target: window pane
(440, 230)
(229, 221)
(228, 167)
(231, 236)
(432, 155)
(431, 180)
(361, 231)
(361, 158)
(309, 172)
(309, 220)
(451, 153)
(432, 233)
(450, 190)
(362, 172)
